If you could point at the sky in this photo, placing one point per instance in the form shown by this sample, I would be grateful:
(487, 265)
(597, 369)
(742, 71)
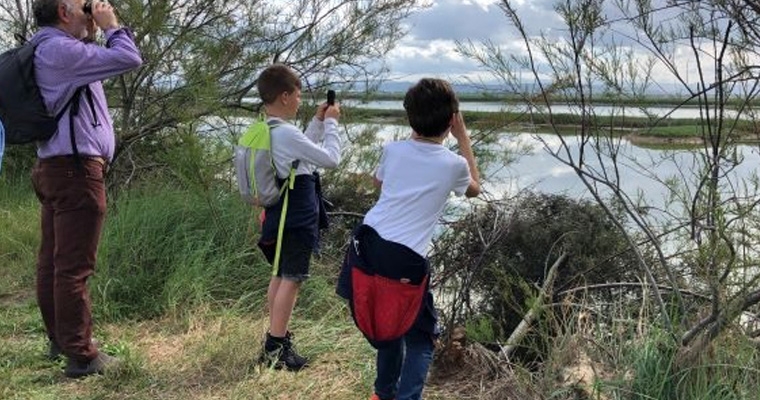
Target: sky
(429, 47)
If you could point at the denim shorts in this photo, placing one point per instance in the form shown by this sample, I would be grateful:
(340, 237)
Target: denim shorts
(295, 254)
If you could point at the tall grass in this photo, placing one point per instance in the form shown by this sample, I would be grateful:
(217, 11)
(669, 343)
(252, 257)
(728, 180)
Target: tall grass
(725, 372)
(165, 249)
(179, 295)
(19, 233)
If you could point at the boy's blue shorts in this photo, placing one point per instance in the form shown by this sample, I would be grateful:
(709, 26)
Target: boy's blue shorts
(295, 254)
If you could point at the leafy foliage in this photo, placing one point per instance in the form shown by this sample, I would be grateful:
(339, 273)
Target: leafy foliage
(202, 58)
(499, 253)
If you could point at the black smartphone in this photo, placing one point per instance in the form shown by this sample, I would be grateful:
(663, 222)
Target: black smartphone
(330, 97)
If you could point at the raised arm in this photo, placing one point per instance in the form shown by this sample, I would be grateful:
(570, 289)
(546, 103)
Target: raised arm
(459, 131)
(316, 130)
(91, 62)
(328, 154)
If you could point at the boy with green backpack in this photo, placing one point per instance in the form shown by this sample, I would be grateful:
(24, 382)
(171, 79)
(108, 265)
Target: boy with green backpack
(289, 229)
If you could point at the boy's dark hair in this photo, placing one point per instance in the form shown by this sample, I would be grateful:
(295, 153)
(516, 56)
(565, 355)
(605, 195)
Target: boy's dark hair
(276, 79)
(429, 106)
(45, 12)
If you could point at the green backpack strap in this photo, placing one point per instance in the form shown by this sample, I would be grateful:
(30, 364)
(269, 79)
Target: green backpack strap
(281, 228)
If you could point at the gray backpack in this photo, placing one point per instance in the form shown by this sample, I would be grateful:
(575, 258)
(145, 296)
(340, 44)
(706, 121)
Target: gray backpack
(254, 166)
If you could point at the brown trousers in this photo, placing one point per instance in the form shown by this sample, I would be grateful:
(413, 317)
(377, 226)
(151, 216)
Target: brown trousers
(73, 199)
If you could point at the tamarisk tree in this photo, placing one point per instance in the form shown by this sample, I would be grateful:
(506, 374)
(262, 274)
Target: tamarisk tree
(202, 57)
(699, 240)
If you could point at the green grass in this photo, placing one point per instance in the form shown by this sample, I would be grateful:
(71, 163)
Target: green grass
(179, 296)
(207, 355)
(719, 375)
(165, 249)
(676, 131)
(19, 235)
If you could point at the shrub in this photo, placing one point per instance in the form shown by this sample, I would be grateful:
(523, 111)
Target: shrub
(493, 260)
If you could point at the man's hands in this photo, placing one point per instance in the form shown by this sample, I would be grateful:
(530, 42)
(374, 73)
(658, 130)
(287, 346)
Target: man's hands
(104, 16)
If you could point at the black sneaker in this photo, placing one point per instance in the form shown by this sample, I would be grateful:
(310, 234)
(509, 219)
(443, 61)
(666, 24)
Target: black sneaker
(279, 353)
(98, 365)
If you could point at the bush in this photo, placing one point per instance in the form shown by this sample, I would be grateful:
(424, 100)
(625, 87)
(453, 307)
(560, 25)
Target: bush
(493, 260)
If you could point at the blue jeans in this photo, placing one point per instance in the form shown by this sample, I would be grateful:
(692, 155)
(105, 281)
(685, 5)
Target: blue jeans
(403, 365)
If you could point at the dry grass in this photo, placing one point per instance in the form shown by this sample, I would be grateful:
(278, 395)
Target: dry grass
(204, 354)
(471, 371)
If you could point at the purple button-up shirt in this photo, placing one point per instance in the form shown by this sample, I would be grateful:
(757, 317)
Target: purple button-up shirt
(62, 64)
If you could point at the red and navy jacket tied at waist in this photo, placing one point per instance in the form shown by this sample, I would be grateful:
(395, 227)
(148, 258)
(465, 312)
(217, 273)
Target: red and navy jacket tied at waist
(387, 287)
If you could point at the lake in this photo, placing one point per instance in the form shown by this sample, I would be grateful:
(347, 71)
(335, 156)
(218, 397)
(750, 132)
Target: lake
(605, 110)
(642, 172)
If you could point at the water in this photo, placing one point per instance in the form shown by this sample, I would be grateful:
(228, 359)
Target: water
(642, 173)
(642, 170)
(601, 110)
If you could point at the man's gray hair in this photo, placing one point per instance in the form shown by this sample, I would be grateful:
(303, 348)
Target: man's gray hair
(46, 12)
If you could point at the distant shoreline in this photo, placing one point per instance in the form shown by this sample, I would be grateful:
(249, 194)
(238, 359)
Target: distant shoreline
(638, 130)
(511, 99)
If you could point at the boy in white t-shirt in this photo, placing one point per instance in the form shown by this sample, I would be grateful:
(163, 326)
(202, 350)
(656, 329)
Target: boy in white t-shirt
(416, 177)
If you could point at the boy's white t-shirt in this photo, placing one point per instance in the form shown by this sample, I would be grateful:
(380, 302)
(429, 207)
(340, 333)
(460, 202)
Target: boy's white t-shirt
(417, 179)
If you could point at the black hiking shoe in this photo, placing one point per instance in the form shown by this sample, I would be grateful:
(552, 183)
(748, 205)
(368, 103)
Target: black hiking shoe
(98, 365)
(279, 353)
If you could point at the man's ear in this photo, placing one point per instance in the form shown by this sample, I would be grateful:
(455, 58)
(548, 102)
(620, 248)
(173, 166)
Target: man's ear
(63, 12)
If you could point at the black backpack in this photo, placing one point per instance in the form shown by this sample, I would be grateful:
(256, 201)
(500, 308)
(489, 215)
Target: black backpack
(22, 111)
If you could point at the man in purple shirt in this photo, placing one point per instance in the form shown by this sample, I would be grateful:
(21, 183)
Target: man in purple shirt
(69, 174)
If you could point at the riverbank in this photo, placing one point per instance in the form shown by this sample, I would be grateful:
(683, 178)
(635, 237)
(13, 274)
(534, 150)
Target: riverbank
(179, 295)
(511, 98)
(641, 131)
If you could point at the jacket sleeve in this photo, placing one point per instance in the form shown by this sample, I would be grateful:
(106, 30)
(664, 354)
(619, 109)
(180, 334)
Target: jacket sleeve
(84, 63)
(315, 131)
(325, 156)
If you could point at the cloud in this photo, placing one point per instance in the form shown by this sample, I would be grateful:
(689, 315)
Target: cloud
(429, 48)
(457, 19)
